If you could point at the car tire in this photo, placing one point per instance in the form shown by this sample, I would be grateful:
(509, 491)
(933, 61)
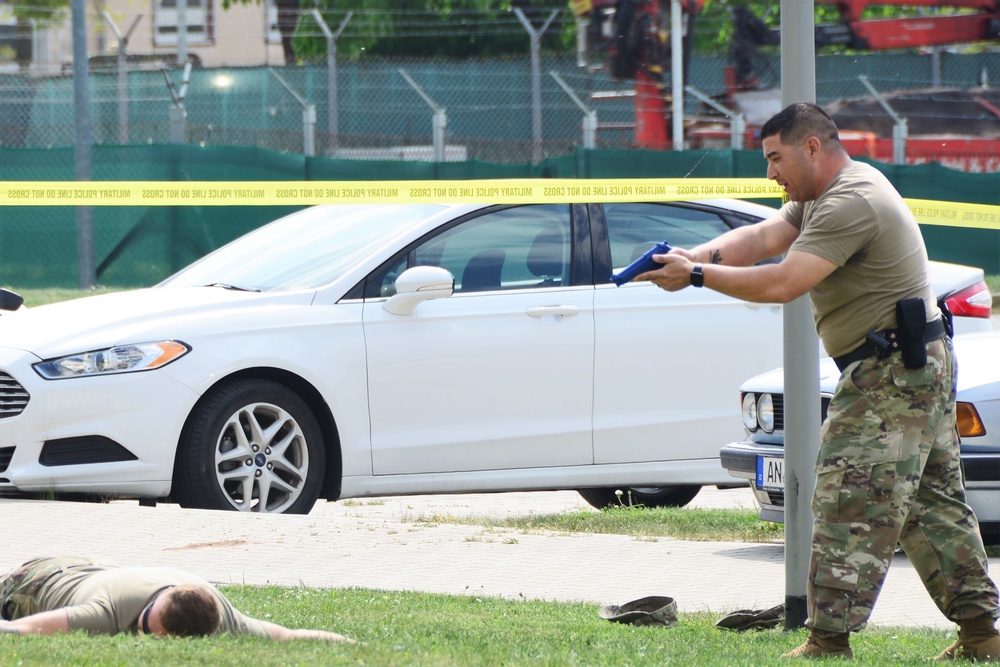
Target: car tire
(250, 445)
(661, 496)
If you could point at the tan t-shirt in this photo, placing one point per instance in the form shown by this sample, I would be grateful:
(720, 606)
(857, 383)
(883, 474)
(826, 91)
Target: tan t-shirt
(861, 224)
(107, 600)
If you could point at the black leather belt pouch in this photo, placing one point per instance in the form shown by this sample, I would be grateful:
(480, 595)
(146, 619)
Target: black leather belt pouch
(911, 318)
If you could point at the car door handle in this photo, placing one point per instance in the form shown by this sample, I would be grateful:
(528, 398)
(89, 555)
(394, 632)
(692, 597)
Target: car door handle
(558, 311)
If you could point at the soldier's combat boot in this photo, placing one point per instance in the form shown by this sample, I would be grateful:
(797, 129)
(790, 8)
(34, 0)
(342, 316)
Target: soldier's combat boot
(824, 644)
(978, 639)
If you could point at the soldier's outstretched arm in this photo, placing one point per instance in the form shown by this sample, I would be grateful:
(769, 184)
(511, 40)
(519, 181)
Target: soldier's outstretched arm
(285, 634)
(42, 623)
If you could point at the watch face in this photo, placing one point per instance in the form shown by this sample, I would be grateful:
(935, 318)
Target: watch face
(697, 277)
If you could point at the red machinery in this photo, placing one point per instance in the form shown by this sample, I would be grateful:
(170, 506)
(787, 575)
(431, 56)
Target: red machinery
(899, 33)
(632, 36)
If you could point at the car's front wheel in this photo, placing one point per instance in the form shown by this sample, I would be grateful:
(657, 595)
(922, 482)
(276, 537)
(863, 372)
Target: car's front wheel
(631, 496)
(252, 445)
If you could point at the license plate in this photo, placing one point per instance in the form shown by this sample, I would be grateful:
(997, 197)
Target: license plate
(770, 472)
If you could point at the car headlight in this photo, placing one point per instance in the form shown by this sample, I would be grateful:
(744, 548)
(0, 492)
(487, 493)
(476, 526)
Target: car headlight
(749, 410)
(118, 359)
(765, 413)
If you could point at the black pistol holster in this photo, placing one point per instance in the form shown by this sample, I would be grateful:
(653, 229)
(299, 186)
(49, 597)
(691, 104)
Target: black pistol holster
(947, 318)
(911, 318)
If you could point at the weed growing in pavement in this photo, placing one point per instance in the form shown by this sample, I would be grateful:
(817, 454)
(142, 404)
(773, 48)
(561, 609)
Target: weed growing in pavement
(685, 523)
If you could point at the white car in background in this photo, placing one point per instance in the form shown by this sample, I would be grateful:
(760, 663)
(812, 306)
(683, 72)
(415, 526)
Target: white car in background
(759, 457)
(374, 350)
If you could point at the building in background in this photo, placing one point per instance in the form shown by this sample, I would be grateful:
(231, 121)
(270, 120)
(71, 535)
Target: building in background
(241, 36)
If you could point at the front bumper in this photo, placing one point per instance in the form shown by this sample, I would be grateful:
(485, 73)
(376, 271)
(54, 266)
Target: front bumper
(740, 459)
(114, 435)
(982, 481)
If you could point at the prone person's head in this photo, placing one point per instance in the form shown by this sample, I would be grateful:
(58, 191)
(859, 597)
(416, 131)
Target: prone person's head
(183, 611)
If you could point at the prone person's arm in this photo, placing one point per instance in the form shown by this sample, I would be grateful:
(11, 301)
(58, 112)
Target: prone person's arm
(285, 634)
(42, 623)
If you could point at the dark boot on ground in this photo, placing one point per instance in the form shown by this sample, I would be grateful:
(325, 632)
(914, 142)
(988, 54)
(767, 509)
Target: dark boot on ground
(978, 639)
(824, 644)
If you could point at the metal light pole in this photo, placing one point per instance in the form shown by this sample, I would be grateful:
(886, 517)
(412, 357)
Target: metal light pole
(677, 74)
(801, 346)
(86, 272)
(182, 32)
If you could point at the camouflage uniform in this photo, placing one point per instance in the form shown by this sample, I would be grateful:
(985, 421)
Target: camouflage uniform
(21, 589)
(889, 472)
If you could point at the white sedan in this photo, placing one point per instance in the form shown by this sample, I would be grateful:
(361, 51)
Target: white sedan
(348, 351)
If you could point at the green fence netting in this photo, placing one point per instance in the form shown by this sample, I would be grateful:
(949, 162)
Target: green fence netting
(139, 246)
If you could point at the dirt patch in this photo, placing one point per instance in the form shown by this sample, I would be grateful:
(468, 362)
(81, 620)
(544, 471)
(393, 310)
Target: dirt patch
(209, 545)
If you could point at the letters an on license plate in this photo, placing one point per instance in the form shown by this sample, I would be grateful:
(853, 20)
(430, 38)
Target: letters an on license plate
(770, 472)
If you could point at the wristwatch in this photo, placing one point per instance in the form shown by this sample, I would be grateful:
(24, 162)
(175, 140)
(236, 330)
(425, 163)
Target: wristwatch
(697, 277)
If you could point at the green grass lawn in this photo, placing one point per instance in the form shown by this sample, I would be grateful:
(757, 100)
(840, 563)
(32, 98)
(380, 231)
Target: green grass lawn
(409, 629)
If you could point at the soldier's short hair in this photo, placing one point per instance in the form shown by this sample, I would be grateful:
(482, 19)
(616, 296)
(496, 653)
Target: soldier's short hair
(190, 611)
(797, 122)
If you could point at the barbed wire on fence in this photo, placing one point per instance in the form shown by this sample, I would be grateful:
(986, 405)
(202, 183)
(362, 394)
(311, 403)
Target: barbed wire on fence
(486, 103)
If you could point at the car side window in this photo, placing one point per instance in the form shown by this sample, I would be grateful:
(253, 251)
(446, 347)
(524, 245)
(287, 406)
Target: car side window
(511, 248)
(634, 228)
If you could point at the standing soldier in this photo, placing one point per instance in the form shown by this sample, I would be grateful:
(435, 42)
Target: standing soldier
(888, 469)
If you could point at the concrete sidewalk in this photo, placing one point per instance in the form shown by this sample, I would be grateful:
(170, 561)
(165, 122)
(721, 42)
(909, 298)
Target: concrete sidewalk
(397, 544)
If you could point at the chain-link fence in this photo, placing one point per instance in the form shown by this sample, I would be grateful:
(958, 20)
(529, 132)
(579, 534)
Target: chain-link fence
(385, 108)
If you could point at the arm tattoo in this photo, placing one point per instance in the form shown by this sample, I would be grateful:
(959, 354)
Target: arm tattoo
(715, 257)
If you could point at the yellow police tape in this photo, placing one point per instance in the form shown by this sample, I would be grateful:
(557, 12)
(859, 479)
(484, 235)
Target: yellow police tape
(494, 191)
(277, 193)
(955, 214)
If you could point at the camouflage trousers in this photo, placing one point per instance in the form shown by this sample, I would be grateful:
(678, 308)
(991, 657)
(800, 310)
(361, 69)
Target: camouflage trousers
(889, 473)
(19, 589)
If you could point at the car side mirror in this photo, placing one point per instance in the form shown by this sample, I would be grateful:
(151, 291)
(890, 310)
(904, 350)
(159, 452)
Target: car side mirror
(10, 300)
(421, 283)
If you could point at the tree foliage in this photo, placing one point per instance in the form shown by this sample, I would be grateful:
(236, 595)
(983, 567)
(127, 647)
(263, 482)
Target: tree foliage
(488, 28)
(421, 28)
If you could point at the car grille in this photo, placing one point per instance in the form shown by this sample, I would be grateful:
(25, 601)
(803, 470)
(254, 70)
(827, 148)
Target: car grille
(779, 410)
(13, 397)
(778, 401)
(776, 498)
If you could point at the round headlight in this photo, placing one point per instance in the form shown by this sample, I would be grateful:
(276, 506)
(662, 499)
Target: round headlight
(765, 412)
(749, 410)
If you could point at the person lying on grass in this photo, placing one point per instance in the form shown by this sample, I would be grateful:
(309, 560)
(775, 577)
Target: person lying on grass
(61, 594)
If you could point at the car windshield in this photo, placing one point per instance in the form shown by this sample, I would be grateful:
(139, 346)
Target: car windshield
(304, 250)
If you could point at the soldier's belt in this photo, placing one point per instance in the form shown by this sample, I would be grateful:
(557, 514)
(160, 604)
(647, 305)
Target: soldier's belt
(884, 343)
